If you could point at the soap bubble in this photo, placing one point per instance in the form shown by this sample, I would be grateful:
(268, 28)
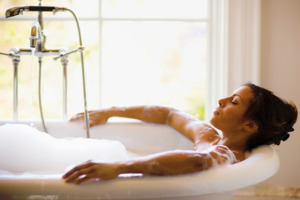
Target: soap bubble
(26, 149)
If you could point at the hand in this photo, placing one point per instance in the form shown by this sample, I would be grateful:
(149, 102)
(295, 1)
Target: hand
(91, 170)
(95, 117)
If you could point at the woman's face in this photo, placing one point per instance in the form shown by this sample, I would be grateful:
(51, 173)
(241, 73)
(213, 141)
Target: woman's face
(229, 116)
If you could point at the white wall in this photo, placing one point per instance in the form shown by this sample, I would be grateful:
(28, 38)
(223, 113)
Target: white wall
(280, 72)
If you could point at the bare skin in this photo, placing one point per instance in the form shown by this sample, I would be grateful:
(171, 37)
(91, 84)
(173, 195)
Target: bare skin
(228, 117)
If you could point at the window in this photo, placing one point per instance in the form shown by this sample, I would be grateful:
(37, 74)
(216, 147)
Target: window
(136, 52)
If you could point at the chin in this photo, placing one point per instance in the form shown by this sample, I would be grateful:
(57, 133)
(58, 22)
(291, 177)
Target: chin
(214, 123)
(212, 120)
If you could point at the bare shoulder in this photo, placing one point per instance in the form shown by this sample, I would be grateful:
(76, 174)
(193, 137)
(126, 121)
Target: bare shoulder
(222, 154)
(205, 137)
(208, 134)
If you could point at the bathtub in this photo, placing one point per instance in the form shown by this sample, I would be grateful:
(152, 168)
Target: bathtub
(141, 138)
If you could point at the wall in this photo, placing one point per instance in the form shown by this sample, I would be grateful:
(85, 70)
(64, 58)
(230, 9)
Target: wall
(280, 72)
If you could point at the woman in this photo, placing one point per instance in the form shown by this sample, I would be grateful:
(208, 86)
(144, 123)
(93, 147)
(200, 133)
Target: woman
(250, 117)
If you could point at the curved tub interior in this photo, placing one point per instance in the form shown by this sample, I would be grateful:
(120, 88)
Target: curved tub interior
(141, 139)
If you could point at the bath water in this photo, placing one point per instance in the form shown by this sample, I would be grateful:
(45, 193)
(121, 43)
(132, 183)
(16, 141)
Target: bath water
(25, 149)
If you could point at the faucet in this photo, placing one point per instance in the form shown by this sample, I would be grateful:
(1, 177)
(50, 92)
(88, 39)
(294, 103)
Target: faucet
(36, 37)
(37, 41)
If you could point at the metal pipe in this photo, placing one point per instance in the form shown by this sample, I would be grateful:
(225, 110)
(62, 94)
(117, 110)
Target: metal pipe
(13, 54)
(28, 51)
(4, 54)
(64, 61)
(40, 95)
(16, 61)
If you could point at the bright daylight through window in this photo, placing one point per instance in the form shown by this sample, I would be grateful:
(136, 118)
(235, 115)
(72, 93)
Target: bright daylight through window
(136, 52)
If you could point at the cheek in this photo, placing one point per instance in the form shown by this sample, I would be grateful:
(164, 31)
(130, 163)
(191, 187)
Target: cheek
(232, 116)
(229, 119)
(234, 113)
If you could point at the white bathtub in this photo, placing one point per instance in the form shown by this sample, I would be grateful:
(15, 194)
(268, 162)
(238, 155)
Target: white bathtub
(218, 183)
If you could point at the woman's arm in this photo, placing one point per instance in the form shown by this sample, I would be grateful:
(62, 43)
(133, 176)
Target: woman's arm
(184, 123)
(152, 114)
(168, 163)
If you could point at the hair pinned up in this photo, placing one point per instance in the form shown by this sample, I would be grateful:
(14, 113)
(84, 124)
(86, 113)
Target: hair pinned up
(282, 136)
(275, 117)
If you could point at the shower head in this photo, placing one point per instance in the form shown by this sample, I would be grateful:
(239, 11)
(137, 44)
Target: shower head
(16, 10)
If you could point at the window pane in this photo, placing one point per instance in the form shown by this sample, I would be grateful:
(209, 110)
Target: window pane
(186, 9)
(154, 63)
(81, 8)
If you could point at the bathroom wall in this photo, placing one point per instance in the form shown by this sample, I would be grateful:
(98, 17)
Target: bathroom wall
(280, 72)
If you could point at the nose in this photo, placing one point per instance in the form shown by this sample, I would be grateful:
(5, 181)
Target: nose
(222, 102)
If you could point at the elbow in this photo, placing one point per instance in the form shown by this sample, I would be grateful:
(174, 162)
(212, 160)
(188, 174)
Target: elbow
(202, 162)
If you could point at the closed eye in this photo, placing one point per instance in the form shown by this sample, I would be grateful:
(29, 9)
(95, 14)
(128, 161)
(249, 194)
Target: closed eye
(235, 100)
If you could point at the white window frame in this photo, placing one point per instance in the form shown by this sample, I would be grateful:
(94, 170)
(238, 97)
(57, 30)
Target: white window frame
(234, 48)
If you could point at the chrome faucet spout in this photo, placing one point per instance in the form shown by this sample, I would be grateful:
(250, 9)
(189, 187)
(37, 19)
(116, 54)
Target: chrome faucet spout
(36, 36)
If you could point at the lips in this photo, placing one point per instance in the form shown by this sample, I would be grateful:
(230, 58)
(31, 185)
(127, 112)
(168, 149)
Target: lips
(217, 112)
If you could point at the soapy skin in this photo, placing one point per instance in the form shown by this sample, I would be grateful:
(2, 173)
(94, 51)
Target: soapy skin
(209, 148)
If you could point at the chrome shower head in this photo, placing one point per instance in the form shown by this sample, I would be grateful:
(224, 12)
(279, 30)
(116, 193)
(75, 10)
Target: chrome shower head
(16, 10)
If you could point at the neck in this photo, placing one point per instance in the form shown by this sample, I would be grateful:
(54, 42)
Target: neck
(236, 142)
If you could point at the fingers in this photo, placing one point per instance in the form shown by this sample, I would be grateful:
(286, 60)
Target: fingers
(77, 117)
(91, 170)
(79, 173)
(92, 122)
(82, 179)
(95, 118)
(80, 176)
(81, 117)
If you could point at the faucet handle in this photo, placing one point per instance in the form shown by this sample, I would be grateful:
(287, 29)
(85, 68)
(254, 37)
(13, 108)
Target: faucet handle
(65, 53)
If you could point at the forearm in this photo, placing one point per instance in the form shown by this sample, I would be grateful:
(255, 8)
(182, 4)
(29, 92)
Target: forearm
(172, 163)
(152, 114)
(179, 162)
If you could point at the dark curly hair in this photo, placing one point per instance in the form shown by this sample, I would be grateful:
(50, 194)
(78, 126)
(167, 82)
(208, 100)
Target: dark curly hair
(274, 116)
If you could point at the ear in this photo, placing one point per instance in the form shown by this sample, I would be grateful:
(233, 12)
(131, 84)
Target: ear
(250, 126)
